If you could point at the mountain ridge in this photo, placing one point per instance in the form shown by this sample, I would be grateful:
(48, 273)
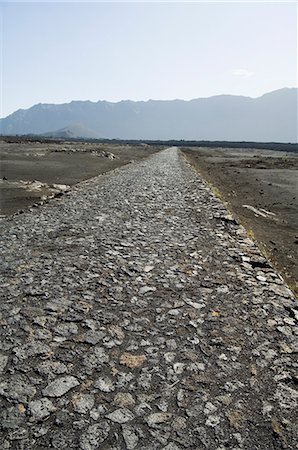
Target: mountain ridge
(270, 117)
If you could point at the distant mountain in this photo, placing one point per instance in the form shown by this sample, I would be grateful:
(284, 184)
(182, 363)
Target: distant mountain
(73, 131)
(272, 117)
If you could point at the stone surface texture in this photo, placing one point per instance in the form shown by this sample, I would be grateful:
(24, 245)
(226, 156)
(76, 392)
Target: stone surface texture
(136, 313)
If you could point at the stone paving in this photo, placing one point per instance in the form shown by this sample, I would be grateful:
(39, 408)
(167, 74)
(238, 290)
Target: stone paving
(137, 314)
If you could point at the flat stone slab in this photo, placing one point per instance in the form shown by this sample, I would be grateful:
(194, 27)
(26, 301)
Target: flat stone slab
(136, 313)
(60, 386)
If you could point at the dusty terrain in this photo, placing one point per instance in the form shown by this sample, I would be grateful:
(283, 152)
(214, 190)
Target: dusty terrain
(59, 163)
(137, 314)
(261, 188)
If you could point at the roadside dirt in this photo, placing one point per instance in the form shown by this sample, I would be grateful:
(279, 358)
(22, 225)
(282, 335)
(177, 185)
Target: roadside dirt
(261, 189)
(30, 168)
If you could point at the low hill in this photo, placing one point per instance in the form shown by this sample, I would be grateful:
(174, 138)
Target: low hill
(72, 132)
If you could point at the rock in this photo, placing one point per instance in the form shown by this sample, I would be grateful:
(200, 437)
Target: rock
(144, 380)
(52, 367)
(285, 348)
(179, 423)
(117, 332)
(12, 417)
(95, 435)
(157, 418)
(104, 384)
(178, 367)
(142, 409)
(61, 439)
(30, 349)
(286, 396)
(108, 155)
(95, 359)
(39, 409)
(261, 278)
(93, 337)
(60, 386)
(171, 446)
(124, 399)
(3, 362)
(213, 421)
(143, 290)
(235, 418)
(121, 415)
(282, 290)
(209, 408)
(83, 403)
(61, 187)
(18, 434)
(162, 405)
(270, 354)
(195, 305)
(130, 437)
(124, 379)
(67, 329)
(169, 357)
(286, 330)
(171, 344)
(95, 413)
(17, 389)
(132, 361)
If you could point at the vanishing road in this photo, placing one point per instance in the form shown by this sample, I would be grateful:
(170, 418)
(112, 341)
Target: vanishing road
(137, 314)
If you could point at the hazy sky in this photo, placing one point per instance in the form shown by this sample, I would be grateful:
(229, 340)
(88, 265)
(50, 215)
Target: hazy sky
(58, 52)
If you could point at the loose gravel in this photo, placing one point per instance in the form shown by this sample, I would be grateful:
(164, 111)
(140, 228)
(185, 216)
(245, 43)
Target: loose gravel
(136, 313)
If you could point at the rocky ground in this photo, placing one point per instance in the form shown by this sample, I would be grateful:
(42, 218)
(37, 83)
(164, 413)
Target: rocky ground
(137, 314)
(34, 171)
(260, 187)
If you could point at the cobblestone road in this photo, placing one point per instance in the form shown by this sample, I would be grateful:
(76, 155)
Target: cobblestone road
(137, 314)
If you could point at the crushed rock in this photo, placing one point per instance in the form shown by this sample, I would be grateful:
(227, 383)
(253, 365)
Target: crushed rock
(136, 313)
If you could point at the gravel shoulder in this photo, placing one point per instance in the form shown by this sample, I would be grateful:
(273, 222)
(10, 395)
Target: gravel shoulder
(136, 313)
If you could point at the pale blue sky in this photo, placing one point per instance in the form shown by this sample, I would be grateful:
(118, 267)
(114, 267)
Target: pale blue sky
(58, 52)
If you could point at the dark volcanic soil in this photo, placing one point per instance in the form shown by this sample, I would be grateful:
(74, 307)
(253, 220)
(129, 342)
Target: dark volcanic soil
(50, 163)
(265, 180)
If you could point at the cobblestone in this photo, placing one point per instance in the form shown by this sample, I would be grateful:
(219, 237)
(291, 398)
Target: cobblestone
(136, 313)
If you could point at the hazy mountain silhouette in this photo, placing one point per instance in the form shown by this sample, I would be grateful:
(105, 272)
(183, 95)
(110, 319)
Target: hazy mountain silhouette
(272, 117)
(73, 131)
